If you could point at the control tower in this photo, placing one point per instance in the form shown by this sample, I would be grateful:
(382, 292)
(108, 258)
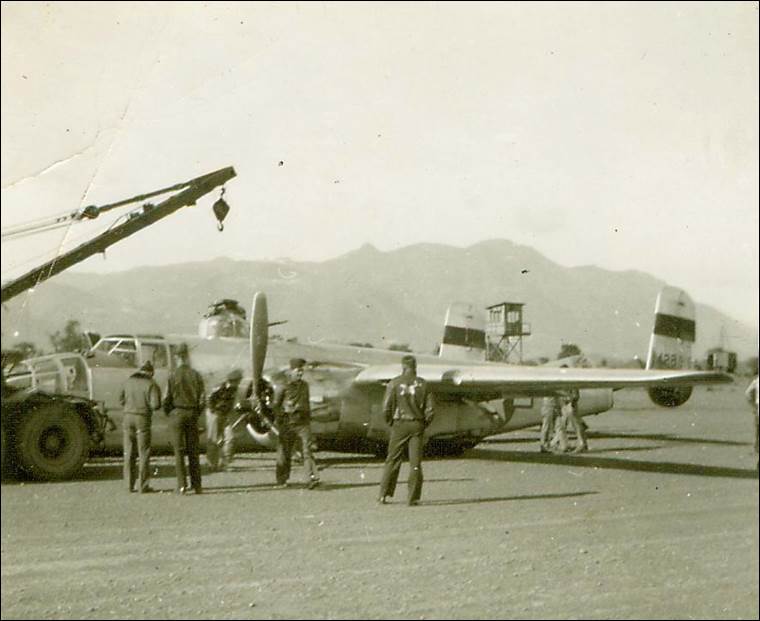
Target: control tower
(505, 330)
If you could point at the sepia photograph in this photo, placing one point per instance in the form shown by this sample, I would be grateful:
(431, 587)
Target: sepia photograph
(380, 310)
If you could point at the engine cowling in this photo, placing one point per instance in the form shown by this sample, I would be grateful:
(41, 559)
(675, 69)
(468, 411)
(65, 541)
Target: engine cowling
(670, 397)
(259, 423)
(262, 434)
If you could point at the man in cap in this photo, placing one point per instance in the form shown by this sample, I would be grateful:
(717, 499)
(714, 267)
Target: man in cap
(185, 400)
(293, 420)
(219, 429)
(140, 397)
(408, 408)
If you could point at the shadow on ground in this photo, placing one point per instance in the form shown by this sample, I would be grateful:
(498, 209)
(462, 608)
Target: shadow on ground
(324, 486)
(589, 460)
(467, 501)
(655, 437)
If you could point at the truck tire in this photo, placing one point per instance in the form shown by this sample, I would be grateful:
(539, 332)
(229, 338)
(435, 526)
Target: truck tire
(52, 442)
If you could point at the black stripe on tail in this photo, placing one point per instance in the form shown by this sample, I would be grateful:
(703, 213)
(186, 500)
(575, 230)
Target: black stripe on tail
(675, 327)
(464, 337)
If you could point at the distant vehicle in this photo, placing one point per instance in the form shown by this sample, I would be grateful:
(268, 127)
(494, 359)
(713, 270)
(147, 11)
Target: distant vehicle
(475, 399)
(718, 359)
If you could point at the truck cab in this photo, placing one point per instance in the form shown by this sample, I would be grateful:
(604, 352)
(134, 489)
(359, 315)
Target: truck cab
(112, 360)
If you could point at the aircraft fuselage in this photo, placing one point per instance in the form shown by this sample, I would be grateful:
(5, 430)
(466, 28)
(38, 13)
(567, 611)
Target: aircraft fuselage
(345, 415)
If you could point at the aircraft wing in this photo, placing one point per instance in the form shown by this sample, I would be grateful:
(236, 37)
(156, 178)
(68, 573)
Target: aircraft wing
(485, 380)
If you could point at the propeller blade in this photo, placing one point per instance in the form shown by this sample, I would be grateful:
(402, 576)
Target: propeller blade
(259, 337)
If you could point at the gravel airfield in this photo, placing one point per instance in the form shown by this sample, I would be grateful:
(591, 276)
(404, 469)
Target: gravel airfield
(659, 520)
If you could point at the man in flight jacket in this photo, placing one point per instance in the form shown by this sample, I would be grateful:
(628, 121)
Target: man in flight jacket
(408, 408)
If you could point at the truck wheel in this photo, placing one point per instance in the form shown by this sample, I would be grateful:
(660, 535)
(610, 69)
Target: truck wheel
(52, 442)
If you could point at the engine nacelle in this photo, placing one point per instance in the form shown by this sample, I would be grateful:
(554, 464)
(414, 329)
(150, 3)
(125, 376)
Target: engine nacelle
(670, 397)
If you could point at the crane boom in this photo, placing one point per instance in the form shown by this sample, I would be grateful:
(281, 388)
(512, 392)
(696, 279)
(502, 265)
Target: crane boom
(195, 188)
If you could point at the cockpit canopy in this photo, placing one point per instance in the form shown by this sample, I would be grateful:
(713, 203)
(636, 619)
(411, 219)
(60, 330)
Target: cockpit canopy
(127, 350)
(221, 307)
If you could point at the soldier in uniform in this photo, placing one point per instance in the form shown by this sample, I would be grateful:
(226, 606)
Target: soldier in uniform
(550, 413)
(140, 397)
(293, 420)
(219, 429)
(569, 400)
(751, 395)
(185, 400)
(408, 409)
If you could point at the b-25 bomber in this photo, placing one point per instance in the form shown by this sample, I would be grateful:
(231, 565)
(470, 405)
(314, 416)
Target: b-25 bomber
(474, 398)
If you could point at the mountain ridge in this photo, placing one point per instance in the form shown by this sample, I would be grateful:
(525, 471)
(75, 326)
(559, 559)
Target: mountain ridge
(380, 297)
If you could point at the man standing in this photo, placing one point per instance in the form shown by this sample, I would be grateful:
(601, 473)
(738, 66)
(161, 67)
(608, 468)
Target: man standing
(293, 420)
(219, 429)
(185, 399)
(140, 397)
(569, 400)
(752, 397)
(550, 412)
(408, 408)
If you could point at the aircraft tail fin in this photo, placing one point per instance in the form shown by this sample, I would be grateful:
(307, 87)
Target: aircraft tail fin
(674, 331)
(464, 334)
(671, 341)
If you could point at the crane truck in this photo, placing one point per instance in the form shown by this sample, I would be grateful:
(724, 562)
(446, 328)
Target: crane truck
(50, 421)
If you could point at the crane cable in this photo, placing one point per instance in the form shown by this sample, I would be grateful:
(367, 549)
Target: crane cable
(87, 213)
(66, 219)
(51, 254)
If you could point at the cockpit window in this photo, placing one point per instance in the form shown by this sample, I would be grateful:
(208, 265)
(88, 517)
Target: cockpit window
(123, 350)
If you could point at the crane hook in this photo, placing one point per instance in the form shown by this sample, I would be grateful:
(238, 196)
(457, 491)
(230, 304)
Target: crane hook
(221, 209)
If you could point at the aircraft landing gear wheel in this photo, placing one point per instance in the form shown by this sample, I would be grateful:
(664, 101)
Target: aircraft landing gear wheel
(445, 448)
(670, 397)
(52, 442)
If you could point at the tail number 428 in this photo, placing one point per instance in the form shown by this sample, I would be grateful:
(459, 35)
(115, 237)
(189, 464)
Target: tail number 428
(670, 361)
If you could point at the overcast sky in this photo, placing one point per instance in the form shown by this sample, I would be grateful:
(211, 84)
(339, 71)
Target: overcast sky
(624, 136)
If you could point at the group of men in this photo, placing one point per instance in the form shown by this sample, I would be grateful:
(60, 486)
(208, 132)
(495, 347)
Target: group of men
(408, 408)
(557, 413)
(185, 401)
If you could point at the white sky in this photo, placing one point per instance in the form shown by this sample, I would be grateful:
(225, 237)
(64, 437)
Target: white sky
(621, 135)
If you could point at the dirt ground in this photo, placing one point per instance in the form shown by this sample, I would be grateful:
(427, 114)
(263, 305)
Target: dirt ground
(659, 520)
